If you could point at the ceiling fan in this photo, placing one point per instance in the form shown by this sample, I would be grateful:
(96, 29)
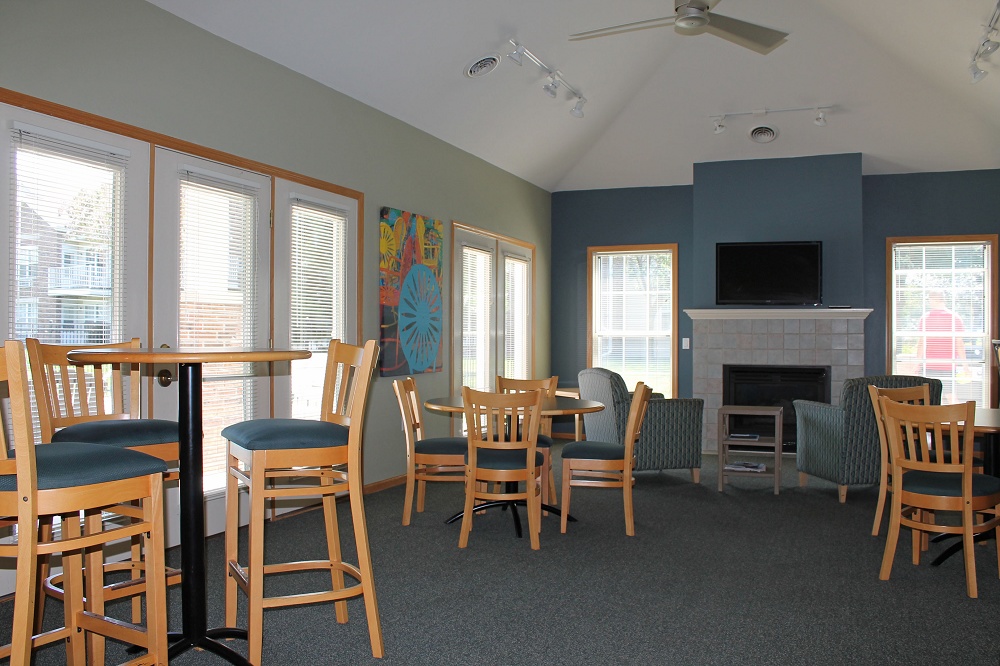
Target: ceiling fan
(694, 18)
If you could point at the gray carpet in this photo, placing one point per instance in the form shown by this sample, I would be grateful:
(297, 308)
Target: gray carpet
(740, 577)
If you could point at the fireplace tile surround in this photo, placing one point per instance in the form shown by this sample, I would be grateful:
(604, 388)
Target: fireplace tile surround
(821, 336)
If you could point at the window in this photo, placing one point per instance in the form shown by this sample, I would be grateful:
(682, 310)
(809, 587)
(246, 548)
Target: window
(492, 302)
(632, 317)
(941, 315)
(68, 212)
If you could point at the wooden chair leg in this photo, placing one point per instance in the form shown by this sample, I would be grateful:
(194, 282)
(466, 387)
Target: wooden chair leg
(26, 595)
(567, 474)
(803, 479)
(408, 499)
(255, 564)
(356, 494)
(76, 649)
(696, 474)
(534, 506)
(969, 551)
(232, 539)
(44, 534)
(842, 494)
(470, 493)
(879, 506)
(629, 515)
(889, 554)
(334, 553)
(94, 586)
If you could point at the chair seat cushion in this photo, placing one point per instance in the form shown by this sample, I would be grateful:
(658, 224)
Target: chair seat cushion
(75, 464)
(261, 434)
(588, 450)
(121, 433)
(442, 446)
(949, 485)
(510, 459)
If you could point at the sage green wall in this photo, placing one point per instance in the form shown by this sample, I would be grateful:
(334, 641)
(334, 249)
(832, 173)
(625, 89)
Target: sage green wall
(129, 61)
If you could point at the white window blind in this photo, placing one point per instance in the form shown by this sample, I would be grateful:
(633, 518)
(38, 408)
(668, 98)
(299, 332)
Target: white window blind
(66, 263)
(318, 283)
(632, 316)
(477, 321)
(218, 221)
(941, 314)
(517, 346)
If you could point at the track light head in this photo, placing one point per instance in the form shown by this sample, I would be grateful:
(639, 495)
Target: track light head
(577, 110)
(977, 74)
(820, 120)
(987, 47)
(720, 125)
(517, 54)
(551, 86)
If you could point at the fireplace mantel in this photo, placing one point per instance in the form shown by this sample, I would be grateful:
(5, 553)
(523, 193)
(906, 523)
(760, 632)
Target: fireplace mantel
(779, 313)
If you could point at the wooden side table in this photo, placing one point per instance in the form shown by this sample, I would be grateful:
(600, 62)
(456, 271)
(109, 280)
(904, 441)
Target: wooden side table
(727, 439)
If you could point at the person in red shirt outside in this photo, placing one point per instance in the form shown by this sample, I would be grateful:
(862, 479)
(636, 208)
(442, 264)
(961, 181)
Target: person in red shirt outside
(943, 345)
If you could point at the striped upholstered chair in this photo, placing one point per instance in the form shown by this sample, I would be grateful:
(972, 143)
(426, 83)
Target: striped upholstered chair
(671, 434)
(839, 443)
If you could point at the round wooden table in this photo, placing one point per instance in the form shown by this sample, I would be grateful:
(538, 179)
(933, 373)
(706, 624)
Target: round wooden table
(195, 632)
(551, 406)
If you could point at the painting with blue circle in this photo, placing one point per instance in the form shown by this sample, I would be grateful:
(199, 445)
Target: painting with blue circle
(410, 297)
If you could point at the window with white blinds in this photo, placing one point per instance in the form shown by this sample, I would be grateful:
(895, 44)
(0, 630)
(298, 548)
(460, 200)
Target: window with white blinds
(217, 298)
(68, 213)
(517, 297)
(477, 318)
(633, 292)
(318, 286)
(941, 313)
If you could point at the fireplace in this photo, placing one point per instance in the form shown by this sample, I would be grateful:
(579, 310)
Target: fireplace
(773, 386)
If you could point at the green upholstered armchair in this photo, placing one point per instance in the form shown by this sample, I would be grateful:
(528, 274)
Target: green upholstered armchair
(840, 443)
(671, 434)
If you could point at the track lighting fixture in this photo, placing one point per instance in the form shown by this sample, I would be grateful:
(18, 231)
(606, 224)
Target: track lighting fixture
(986, 47)
(555, 78)
(977, 74)
(819, 115)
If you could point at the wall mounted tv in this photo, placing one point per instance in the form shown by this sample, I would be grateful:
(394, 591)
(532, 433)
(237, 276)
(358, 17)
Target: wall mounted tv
(769, 273)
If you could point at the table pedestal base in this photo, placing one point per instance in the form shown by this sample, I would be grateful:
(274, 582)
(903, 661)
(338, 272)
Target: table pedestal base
(512, 504)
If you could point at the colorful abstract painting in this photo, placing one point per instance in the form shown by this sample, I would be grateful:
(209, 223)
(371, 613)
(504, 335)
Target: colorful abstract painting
(410, 277)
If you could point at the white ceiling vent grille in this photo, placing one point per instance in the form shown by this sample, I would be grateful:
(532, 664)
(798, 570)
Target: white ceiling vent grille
(482, 66)
(763, 134)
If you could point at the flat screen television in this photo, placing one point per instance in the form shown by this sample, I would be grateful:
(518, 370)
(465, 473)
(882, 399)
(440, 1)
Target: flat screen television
(769, 273)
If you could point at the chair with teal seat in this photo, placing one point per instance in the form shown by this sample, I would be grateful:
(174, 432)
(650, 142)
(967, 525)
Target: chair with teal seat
(325, 458)
(595, 464)
(548, 386)
(428, 459)
(100, 404)
(65, 480)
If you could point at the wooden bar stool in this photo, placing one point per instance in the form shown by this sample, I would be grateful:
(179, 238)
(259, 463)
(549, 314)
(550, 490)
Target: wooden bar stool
(329, 453)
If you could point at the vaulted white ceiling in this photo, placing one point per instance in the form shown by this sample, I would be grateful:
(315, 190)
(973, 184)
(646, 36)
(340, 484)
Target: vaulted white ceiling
(895, 71)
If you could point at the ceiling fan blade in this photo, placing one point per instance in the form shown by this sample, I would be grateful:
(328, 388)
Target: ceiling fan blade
(748, 35)
(624, 27)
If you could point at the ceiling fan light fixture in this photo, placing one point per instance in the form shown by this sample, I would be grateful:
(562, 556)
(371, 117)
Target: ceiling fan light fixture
(977, 74)
(688, 18)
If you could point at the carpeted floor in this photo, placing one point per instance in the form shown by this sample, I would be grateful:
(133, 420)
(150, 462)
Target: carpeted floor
(740, 577)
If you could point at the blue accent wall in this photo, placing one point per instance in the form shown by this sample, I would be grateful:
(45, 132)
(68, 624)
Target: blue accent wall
(810, 198)
(797, 199)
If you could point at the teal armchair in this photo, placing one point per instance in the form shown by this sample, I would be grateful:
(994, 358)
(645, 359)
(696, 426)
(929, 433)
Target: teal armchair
(671, 433)
(839, 443)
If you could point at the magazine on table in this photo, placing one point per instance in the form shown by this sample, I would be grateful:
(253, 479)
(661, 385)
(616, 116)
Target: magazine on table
(745, 466)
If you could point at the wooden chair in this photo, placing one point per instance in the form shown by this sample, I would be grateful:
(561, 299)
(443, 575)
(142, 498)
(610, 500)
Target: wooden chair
(606, 464)
(87, 403)
(503, 456)
(66, 479)
(328, 452)
(548, 386)
(931, 450)
(912, 395)
(428, 459)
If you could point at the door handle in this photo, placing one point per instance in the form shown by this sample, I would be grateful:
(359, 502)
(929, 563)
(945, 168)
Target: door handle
(164, 376)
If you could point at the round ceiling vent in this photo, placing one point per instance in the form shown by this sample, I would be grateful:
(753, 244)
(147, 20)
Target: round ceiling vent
(763, 134)
(482, 66)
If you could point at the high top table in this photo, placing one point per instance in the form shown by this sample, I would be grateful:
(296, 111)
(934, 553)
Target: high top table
(195, 632)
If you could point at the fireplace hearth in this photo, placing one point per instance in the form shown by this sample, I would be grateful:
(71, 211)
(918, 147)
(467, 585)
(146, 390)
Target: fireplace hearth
(773, 386)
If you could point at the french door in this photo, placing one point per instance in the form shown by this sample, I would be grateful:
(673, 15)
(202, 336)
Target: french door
(210, 281)
(492, 296)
